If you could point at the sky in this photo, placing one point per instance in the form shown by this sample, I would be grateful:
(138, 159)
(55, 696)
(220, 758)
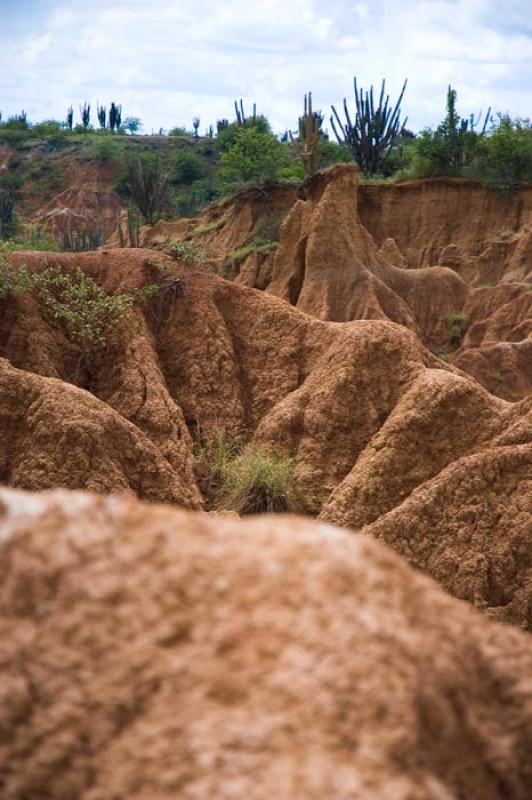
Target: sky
(167, 61)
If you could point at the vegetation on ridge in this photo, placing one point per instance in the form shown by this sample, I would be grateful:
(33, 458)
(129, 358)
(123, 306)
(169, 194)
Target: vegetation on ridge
(164, 176)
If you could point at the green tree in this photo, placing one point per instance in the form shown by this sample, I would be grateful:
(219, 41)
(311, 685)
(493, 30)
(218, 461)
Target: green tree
(131, 125)
(228, 134)
(187, 167)
(504, 158)
(255, 158)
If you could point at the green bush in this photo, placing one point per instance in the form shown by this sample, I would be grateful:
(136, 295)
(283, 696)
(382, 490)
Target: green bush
(9, 186)
(189, 251)
(187, 167)
(179, 131)
(30, 237)
(228, 135)
(106, 148)
(13, 280)
(504, 158)
(190, 200)
(458, 322)
(148, 184)
(89, 313)
(214, 454)
(334, 153)
(254, 159)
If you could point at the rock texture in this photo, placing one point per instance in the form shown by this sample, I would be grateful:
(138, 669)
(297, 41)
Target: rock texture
(147, 652)
(347, 251)
(370, 417)
(490, 232)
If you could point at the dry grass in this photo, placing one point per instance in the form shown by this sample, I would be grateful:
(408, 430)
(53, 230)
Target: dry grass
(248, 481)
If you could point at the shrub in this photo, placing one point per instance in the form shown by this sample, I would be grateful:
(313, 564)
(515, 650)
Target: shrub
(179, 131)
(214, 454)
(334, 153)
(9, 185)
(255, 158)
(458, 325)
(228, 134)
(105, 148)
(187, 167)
(189, 251)
(504, 158)
(30, 237)
(250, 481)
(13, 281)
(189, 201)
(263, 248)
(90, 314)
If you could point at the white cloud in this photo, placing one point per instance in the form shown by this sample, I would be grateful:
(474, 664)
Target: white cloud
(168, 61)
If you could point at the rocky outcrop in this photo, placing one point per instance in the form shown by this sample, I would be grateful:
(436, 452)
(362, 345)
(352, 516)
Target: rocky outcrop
(152, 652)
(369, 416)
(423, 217)
(54, 434)
(329, 265)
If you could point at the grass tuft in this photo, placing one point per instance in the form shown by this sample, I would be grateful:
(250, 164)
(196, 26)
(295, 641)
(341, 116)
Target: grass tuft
(248, 481)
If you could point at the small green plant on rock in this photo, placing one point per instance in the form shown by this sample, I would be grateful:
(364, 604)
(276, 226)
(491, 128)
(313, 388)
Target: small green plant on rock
(214, 453)
(263, 248)
(89, 313)
(13, 280)
(247, 480)
(188, 251)
(259, 482)
(458, 325)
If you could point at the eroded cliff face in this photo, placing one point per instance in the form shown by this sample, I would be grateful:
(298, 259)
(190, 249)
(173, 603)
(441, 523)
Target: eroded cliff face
(445, 258)
(371, 418)
(151, 652)
(491, 232)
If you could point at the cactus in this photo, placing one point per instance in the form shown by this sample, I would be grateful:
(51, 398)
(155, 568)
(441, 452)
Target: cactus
(70, 117)
(375, 130)
(85, 112)
(221, 124)
(241, 118)
(102, 114)
(453, 130)
(115, 117)
(307, 146)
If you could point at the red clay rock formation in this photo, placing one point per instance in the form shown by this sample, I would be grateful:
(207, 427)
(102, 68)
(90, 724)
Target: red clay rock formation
(369, 415)
(330, 265)
(147, 652)
(54, 434)
(425, 216)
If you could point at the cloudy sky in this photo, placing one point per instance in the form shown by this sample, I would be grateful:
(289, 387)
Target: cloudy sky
(167, 61)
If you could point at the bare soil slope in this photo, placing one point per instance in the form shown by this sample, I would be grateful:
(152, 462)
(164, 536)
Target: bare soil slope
(148, 652)
(328, 264)
(369, 416)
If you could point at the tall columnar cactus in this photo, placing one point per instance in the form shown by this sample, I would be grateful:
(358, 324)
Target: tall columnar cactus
(115, 117)
(195, 125)
(70, 117)
(85, 111)
(307, 146)
(375, 130)
(241, 118)
(454, 130)
(102, 115)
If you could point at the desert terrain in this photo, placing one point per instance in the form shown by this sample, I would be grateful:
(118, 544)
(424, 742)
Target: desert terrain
(162, 636)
